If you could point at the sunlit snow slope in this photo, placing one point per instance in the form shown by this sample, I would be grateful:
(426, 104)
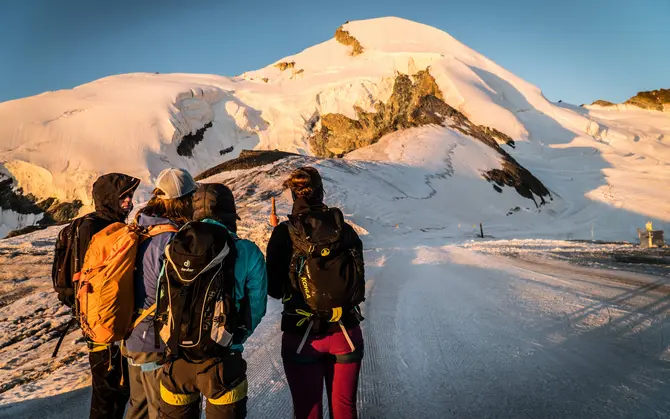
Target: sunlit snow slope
(604, 167)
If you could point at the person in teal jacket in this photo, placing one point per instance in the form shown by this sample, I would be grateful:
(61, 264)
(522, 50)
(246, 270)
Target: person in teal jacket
(223, 383)
(214, 203)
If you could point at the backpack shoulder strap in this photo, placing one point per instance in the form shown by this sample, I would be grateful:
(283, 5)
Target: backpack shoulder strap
(160, 229)
(296, 232)
(339, 217)
(155, 230)
(145, 313)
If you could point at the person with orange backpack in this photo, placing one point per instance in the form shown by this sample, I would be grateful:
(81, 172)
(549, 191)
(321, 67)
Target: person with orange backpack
(169, 208)
(113, 199)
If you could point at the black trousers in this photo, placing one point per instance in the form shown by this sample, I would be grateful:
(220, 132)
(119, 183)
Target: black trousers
(223, 381)
(109, 371)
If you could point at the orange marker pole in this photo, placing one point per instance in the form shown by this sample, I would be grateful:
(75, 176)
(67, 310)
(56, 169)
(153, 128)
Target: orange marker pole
(274, 221)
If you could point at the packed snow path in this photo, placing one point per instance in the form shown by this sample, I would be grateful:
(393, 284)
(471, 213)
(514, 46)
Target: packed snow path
(453, 328)
(453, 333)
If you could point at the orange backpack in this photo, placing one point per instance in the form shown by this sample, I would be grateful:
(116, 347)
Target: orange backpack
(105, 291)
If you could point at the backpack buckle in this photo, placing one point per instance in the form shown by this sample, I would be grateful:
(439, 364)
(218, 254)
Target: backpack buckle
(337, 315)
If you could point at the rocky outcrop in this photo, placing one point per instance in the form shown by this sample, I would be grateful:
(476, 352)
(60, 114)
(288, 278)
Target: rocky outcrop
(226, 150)
(345, 38)
(14, 200)
(25, 230)
(57, 212)
(248, 159)
(500, 136)
(188, 143)
(416, 100)
(411, 104)
(654, 100)
(53, 211)
(285, 65)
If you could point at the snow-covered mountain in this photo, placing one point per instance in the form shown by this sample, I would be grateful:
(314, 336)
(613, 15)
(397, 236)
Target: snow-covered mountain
(434, 139)
(466, 127)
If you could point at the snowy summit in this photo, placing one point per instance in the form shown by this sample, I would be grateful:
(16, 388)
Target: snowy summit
(419, 140)
(326, 101)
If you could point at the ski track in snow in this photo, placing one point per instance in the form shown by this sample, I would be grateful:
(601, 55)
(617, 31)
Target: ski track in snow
(454, 328)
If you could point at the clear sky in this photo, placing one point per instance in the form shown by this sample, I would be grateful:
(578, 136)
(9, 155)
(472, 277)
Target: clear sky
(574, 50)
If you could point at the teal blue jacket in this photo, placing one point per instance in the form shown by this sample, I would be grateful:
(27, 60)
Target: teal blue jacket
(251, 280)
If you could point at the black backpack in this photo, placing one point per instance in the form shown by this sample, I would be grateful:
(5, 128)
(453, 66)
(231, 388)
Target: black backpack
(65, 260)
(326, 266)
(196, 293)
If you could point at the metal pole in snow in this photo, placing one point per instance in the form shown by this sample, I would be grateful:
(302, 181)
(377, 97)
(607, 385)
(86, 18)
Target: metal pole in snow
(481, 229)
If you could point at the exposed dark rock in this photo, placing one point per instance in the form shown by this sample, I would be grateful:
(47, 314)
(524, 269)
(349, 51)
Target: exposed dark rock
(603, 103)
(265, 79)
(415, 101)
(57, 212)
(226, 150)
(502, 137)
(654, 99)
(14, 200)
(312, 121)
(188, 143)
(54, 211)
(344, 38)
(25, 230)
(285, 65)
(248, 159)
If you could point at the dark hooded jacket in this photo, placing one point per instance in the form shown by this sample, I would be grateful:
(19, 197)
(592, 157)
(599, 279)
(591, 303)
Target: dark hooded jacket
(279, 255)
(107, 191)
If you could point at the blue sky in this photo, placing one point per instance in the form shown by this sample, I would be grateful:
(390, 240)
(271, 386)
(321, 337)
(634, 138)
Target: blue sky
(574, 50)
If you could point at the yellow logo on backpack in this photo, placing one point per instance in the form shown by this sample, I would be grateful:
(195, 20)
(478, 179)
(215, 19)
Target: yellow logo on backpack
(105, 292)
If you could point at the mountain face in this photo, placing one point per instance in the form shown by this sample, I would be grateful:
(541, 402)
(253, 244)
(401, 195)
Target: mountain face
(385, 90)
(655, 100)
(658, 100)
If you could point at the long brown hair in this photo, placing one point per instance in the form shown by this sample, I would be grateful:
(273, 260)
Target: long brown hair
(178, 210)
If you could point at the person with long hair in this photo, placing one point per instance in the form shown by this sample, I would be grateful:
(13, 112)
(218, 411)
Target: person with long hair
(169, 208)
(315, 265)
